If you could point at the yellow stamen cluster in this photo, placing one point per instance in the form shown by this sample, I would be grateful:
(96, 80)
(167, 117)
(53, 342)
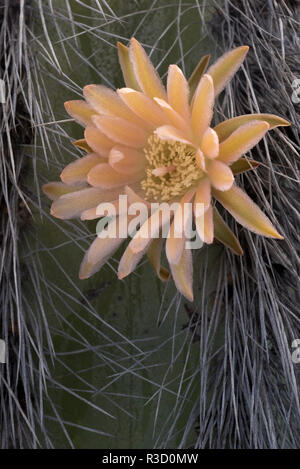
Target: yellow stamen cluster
(169, 154)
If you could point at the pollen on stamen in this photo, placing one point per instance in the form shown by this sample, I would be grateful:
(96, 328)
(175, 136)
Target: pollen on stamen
(172, 169)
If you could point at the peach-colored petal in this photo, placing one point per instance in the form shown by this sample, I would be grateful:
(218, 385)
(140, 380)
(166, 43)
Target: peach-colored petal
(183, 274)
(220, 175)
(197, 74)
(95, 212)
(150, 229)
(224, 234)
(178, 92)
(98, 141)
(83, 145)
(225, 128)
(202, 197)
(167, 132)
(177, 234)
(126, 160)
(80, 111)
(143, 106)
(154, 255)
(73, 204)
(90, 214)
(97, 255)
(126, 66)
(174, 248)
(104, 176)
(54, 190)
(106, 101)
(200, 160)
(243, 164)
(120, 209)
(226, 66)
(205, 226)
(210, 144)
(145, 73)
(121, 131)
(246, 212)
(128, 262)
(202, 109)
(174, 118)
(78, 170)
(242, 140)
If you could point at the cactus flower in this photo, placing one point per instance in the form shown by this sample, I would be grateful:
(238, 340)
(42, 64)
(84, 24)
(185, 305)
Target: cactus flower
(157, 144)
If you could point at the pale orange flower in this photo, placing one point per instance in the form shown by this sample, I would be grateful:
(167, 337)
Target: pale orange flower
(157, 144)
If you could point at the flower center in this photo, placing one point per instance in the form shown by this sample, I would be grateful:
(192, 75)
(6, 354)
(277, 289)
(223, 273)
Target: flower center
(171, 169)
